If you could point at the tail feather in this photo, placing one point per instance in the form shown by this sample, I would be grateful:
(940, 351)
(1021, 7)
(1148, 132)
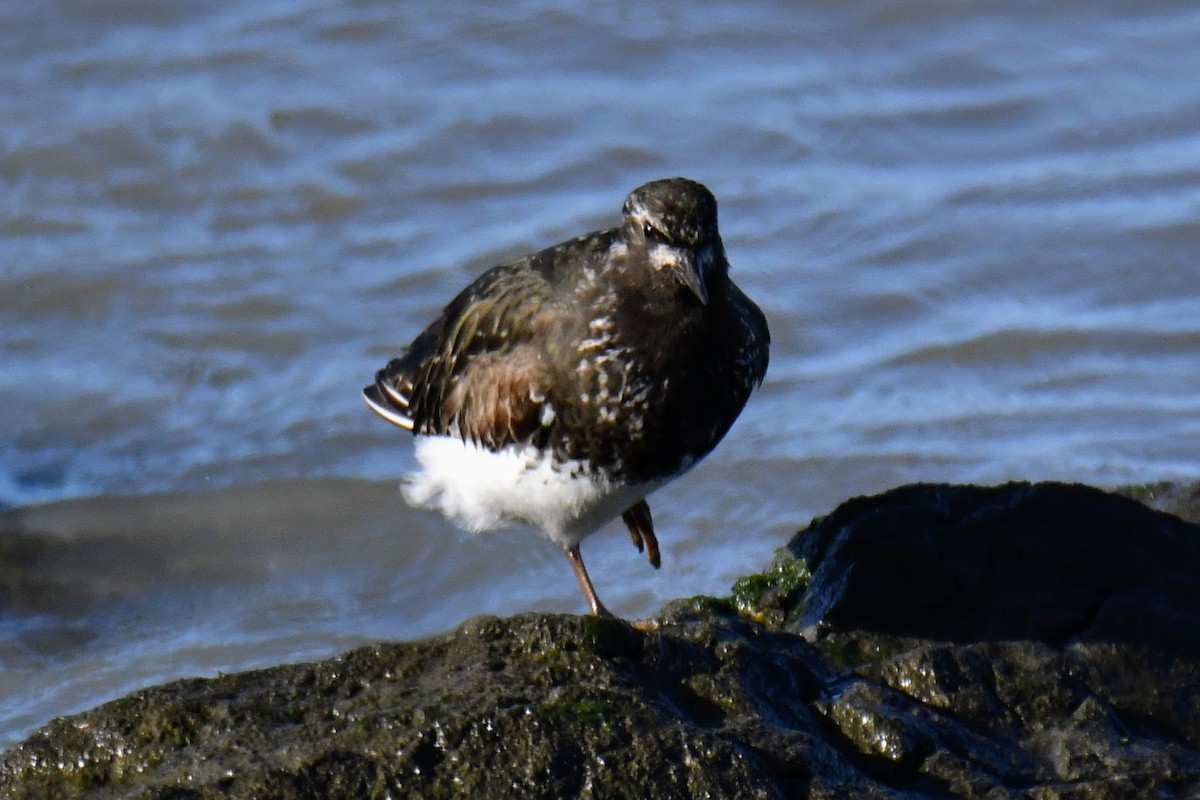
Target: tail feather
(398, 398)
(388, 403)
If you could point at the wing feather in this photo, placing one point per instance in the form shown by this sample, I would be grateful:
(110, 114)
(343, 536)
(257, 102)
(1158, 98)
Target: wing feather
(476, 371)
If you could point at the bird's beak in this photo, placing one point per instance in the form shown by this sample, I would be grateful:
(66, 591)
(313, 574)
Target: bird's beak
(691, 271)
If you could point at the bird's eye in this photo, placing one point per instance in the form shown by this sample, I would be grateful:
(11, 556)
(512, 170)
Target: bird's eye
(652, 233)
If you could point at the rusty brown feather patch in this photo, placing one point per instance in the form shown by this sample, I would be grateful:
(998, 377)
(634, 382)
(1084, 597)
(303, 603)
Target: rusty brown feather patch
(497, 398)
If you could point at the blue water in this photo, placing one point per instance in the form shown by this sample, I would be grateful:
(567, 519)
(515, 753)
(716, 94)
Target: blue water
(974, 230)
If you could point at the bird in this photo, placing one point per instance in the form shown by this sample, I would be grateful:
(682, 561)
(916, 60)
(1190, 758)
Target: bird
(562, 388)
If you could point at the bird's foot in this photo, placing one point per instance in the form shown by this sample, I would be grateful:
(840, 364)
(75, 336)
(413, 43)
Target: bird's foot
(641, 531)
(599, 610)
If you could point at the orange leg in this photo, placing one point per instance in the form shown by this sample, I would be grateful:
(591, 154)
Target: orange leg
(585, 583)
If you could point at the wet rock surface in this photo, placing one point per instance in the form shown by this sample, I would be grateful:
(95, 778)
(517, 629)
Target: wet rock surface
(934, 641)
(1054, 563)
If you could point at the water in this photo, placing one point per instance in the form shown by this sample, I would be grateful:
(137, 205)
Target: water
(973, 230)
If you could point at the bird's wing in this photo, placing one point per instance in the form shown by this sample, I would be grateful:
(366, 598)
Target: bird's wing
(477, 372)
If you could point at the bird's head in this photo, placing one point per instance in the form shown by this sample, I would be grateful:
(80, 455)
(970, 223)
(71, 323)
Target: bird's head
(675, 221)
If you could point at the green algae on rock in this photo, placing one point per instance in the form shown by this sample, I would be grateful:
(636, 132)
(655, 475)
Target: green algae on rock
(765, 596)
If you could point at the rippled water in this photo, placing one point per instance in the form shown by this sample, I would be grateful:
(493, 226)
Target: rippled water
(974, 231)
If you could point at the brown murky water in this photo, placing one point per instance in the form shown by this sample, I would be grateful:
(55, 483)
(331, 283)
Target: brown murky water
(974, 232)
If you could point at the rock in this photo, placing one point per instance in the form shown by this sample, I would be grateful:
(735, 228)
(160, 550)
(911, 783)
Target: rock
(533, 706)
(1050, 562)
(1041, 636)
(1019, 641)
(1180, 499)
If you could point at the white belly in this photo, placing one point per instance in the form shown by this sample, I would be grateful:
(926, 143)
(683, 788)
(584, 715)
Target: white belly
(480, 489)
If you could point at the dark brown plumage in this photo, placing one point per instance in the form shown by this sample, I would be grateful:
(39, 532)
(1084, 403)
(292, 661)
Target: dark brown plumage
(611, 363)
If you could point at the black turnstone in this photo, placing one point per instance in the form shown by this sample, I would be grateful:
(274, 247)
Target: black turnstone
(562, 388)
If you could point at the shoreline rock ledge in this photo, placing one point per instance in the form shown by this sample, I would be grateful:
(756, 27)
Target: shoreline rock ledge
(1026, 640)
